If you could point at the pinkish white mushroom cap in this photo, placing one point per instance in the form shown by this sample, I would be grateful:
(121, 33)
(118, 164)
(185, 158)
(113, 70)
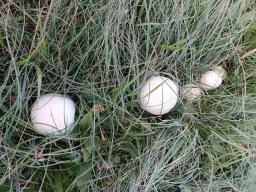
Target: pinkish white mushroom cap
(158, 95)
(210, 80)
(52, 113)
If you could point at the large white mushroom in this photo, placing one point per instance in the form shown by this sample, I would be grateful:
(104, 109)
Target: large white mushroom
(158, 95)
(52, 113)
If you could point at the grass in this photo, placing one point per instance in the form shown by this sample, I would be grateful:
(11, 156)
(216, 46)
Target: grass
(100, 52)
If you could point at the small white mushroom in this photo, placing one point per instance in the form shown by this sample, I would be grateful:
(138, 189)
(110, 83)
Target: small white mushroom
(212, 79)
(158, 95)
(52, 113)
(191, 92)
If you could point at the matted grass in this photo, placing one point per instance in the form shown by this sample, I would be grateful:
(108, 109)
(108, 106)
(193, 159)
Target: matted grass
(99, 53)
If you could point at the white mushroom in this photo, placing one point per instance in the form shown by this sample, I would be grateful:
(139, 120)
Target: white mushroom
(191, 92)
(212, 79)
(52, 113)
(158, 95)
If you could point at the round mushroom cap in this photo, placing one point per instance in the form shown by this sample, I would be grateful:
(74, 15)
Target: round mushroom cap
(210, 80)
(191, 92)
(158, 95)
(52, 113)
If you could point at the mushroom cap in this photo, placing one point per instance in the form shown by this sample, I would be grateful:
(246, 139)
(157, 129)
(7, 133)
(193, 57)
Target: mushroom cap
(191, 92)
(158, 95)
(210, 80)
(52, 113)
